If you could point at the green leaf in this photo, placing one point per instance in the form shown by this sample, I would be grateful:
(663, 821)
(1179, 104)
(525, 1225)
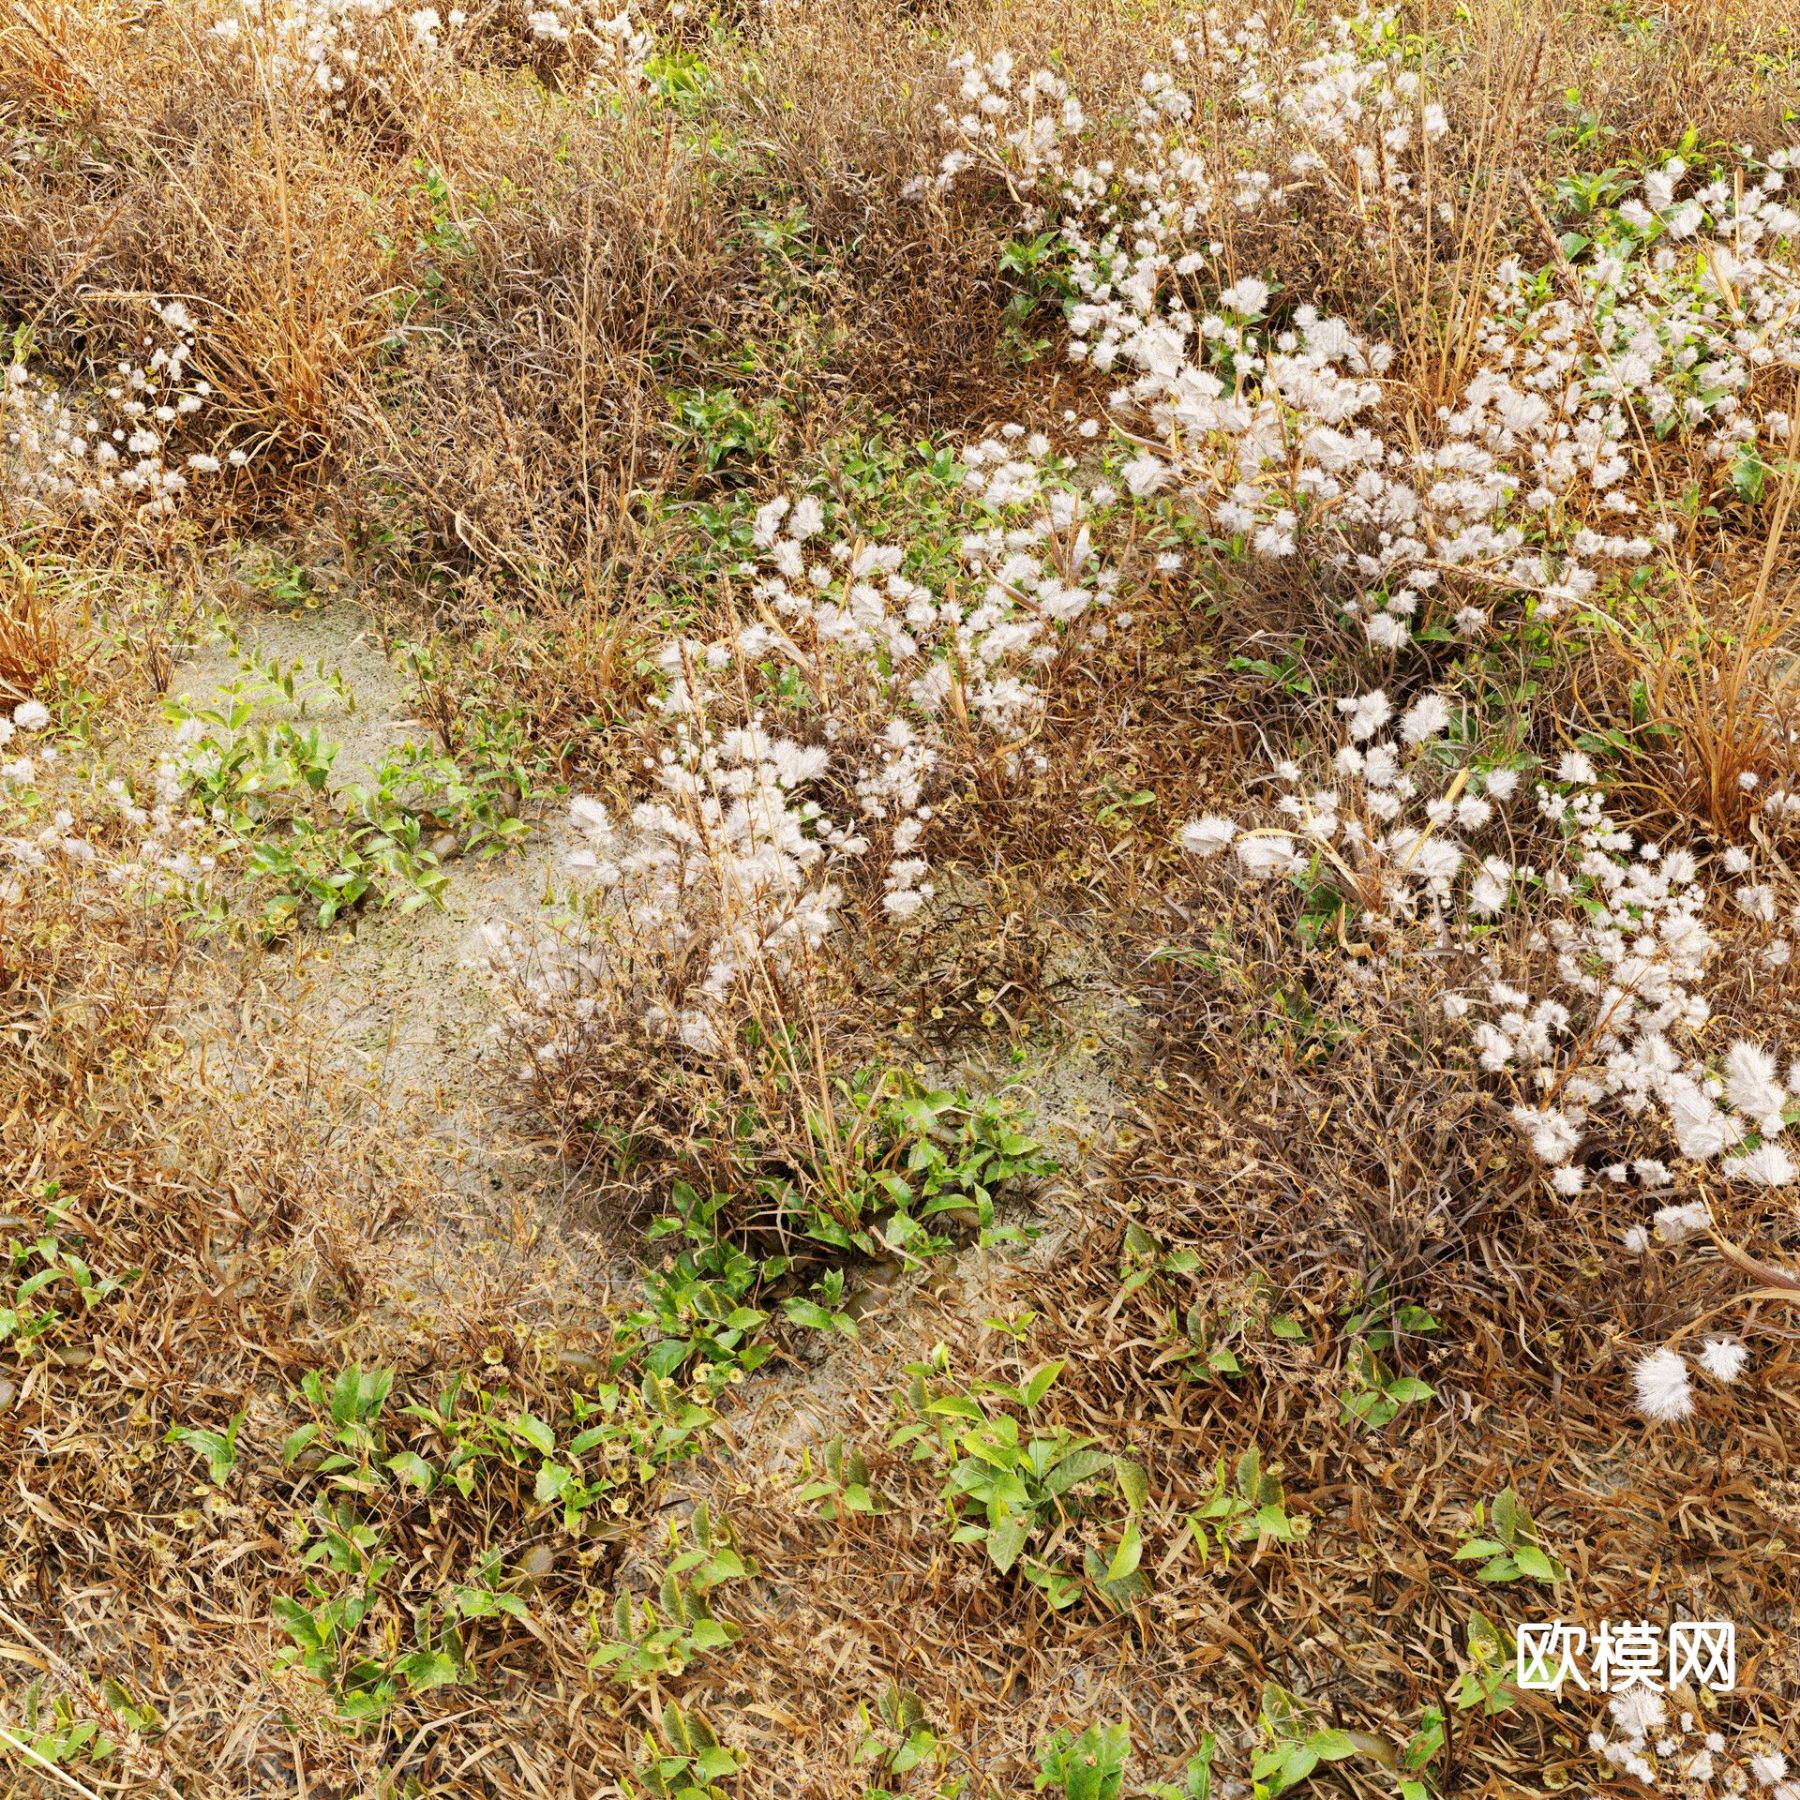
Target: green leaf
(1272, 1522)
(815, 1318)
(1249, 1475)
(296, 1441)
(219, 1448)
(535, 1432)
(1075, 1468)
(715, 1763)
(1371, 1409)
(957, 1406)
(1533, 1562)
(36, 1283)
(428, 1669)
(1506, 1515)
(1038, 1383)
(296, 1621)
(1486, 1646)
(1134, 1484)
(1476, 1548)
(413, 1468)
(343, 1395)
(1296, 1762)
(1128, 1555)
(1406, 1388)
(1006, 1540)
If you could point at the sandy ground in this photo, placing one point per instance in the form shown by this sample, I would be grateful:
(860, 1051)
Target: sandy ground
(343, 682)
(403, 1015)
(494, 1224)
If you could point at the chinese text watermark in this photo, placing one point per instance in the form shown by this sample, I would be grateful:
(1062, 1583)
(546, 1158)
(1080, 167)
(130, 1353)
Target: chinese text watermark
(1614, 1658)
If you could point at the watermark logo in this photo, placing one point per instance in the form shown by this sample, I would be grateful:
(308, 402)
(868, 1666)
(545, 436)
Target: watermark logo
(1615, 1658)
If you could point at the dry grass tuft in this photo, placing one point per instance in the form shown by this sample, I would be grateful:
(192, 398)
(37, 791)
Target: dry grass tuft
(32, 643)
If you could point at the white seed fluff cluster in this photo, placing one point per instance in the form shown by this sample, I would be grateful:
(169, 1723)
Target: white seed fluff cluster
(131, 440)
(764, 814)
(1653, 1739)
(1279, 435)
(1532, 491)
(331, 50)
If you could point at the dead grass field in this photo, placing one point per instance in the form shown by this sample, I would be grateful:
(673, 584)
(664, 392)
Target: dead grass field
(866, 922)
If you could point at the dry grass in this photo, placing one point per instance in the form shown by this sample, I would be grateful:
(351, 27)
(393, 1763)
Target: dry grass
(31, 641)
(447, 319)
(1721, 694)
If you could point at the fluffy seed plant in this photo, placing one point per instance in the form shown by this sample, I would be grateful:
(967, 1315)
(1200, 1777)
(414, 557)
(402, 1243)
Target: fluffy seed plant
(1504, 449)
(127, 450)
(794, 764)
(354, 58)
(1549, 496)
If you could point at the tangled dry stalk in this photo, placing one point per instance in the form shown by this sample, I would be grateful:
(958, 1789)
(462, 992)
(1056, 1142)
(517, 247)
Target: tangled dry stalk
(476, 1319)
